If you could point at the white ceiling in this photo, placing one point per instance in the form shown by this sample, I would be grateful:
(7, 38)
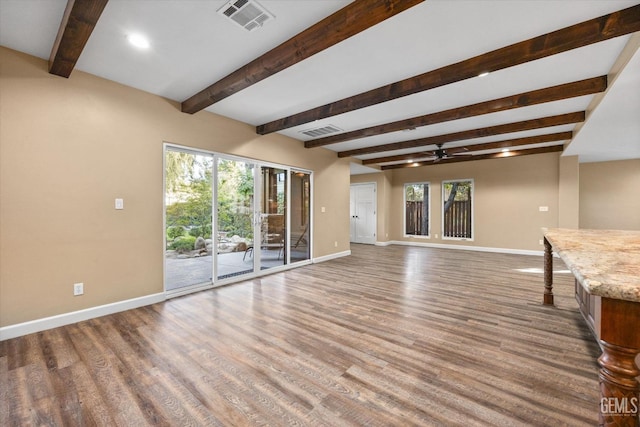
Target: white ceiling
(192, 46)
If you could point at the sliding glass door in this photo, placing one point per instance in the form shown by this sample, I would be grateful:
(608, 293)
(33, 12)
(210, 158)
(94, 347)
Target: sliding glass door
(300, 220)
(228, 217)
(234, 218)
(188, 208)
(273, 217)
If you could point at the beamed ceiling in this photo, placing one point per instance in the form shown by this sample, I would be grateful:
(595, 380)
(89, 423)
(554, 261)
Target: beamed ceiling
(388, 83)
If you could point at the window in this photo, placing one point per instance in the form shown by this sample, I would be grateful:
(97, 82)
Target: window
(457, 209)
(416, 209)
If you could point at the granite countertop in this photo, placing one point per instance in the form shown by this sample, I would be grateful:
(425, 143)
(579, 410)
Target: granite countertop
(605, 262)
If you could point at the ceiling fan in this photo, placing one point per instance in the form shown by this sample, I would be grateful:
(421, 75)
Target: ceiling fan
(441, 154)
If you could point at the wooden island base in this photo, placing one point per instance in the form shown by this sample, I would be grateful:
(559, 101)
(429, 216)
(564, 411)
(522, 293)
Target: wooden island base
(619, 387)
(614, 321)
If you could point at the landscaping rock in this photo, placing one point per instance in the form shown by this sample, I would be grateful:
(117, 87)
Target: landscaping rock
(200, 243)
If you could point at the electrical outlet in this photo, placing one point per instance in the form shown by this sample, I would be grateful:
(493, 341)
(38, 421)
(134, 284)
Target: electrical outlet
(540, 242)
(436, 236)
(335, 244)
(543, 208)
(78, 289)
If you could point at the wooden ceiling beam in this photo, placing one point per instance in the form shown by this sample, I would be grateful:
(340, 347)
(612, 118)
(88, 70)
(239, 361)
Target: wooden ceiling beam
(348, 21)
(541, 150)
(79, 19)
(615, 24)
(544, 122)
(540, 96)
(508, 143)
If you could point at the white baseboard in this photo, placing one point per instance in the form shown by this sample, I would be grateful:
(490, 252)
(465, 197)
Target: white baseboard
(331, 256)
(387, 243)
(469, 248)
(38, 325)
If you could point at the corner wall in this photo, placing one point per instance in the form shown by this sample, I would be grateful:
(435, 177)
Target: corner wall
(569, 192)
(69, 147)
(609, 195)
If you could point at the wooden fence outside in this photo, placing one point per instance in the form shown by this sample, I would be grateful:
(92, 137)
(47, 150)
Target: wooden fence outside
(413, 219)
(457, 220)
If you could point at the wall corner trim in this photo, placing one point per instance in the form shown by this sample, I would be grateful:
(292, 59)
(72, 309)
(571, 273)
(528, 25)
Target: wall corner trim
(38, 325)
(331, 256)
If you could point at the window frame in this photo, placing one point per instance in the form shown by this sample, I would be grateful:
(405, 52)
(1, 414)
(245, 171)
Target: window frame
(404, 209)
(442, 213)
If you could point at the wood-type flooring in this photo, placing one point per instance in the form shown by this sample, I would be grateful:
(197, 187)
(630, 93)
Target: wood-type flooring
(389, 336)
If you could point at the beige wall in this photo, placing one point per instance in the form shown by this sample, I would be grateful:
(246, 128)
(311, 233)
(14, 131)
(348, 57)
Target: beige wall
(609, 195)
(68, 147)
(507, 196)
(569, 192)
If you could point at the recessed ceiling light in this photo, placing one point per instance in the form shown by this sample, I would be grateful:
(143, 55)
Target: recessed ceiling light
(139, 41)
(486, 73)
(409, 161)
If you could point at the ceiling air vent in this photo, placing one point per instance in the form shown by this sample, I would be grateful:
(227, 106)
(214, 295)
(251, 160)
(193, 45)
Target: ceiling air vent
(325, 130)
(246, 13)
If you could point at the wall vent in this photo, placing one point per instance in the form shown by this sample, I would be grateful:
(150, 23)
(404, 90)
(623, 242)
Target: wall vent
(324, 130)
(247, 13)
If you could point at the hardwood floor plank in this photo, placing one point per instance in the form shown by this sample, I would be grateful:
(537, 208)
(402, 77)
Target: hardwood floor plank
(94, 410)
(59, 348)
(4, 386)
(389, 336)
(107, 374)
(19, 400)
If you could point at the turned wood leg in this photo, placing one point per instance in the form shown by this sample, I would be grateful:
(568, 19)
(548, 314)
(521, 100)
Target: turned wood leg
(620, 341)
(548, 274)
(619, 389)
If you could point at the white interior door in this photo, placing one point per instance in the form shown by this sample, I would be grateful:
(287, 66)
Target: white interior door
(363, 213)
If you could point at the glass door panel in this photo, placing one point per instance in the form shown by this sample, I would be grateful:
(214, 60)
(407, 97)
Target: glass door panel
(234, 218)
(188, 208)
(300, 208)
(273, 217)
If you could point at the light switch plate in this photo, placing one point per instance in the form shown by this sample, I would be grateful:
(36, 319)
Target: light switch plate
(119, 203)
